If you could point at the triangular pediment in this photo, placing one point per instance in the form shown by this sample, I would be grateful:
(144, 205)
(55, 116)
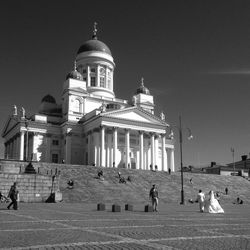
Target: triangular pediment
(11, 122)
(134, 114)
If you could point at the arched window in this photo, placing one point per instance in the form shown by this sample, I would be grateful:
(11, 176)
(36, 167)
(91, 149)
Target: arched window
(77, 106)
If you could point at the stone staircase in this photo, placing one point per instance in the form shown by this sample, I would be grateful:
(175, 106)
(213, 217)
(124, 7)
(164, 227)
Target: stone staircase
(88, 188)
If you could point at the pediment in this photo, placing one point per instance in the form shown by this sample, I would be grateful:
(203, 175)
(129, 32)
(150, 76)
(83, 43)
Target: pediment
(11, 122)
(134, 114)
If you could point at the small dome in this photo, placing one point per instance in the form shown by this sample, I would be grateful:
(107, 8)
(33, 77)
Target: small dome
(49, 99)
(142, 89)
(74, 74)
(94, 45)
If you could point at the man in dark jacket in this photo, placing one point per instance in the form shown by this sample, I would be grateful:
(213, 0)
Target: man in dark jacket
(153, 194)
(13, 193)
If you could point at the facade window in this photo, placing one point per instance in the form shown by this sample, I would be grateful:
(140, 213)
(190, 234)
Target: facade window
(55, 158)
(108, 83)
(92, 81)
(55, 142)
(92, 70)
(102, 82)
(84, 71)
(77, 106)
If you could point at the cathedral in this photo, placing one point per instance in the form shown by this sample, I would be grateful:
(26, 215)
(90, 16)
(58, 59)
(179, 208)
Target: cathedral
(91, 126)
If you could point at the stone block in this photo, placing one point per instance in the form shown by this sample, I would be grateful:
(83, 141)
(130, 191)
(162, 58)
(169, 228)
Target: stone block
(100, 207)
(148, 208)
(116, 208)
(129, 207)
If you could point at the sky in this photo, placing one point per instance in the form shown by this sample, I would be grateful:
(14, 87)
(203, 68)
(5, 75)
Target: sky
(192, 54)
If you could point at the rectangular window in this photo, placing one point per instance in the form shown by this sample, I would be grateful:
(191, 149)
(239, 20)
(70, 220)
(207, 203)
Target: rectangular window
(55, 142)
(55, 158)
(92, 70)
(92, 81)
(84, 71)
(102, 82)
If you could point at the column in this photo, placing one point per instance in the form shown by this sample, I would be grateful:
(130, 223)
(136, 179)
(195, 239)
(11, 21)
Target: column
(172, 160)
(90, 161)
(102, 146)
(163, 153)
(88, 76)
(98, 76)
(48, 145)
(157, 152)
(141, 150)
(114, 163)
(21, 148)
(68, 148)
(108, 151)
(127, 161)
(152, 151)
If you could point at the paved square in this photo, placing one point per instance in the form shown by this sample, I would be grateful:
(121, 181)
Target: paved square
(81, 226)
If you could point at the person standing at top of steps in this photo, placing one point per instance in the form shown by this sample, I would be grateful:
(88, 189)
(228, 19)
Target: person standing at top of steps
(153, 194)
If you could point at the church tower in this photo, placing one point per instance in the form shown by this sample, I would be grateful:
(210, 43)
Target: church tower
(96, 64)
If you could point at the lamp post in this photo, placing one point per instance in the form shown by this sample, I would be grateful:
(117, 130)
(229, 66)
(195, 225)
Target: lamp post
(27, 140)
(232, 151)
(180, 141)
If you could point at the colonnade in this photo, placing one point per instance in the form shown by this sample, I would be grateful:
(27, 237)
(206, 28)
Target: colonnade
(150, 152)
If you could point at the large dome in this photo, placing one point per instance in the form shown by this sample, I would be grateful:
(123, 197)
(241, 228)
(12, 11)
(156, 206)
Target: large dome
(94, 45)
(49, 99)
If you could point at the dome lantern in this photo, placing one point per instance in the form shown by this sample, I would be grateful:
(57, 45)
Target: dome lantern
(142, 89)
(74, 74)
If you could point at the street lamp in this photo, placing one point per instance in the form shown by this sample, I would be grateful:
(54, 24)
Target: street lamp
(27, 140)
(190, 136)
(232, 151)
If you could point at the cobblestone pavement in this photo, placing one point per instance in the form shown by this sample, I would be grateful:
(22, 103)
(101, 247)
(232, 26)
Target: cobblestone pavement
(80, 226)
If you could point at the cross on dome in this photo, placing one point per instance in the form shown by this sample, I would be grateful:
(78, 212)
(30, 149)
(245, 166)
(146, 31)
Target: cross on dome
(94, 31)
(142, 82)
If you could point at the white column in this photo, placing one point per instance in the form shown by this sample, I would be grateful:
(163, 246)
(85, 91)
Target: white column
(89, 149)
(157, 151)
(108, 152)
(127, 163)
(21, 148)
(141, 150)
(152, 151)
(163, 153)
(88, 76)
(102, 146)
(68, 148)
(172, 160)
(98, 76)
(48, 145)
(114, 163)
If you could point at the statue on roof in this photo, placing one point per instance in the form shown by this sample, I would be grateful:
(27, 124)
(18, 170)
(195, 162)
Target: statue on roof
(162, 115)
(103, 107)
(23, 112)
(14, 110)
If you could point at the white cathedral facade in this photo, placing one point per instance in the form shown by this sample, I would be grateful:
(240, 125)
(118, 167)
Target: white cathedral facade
(91, 126)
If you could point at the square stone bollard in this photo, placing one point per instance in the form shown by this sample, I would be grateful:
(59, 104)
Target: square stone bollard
(129, 207)
(100, 207)
(116, 208)
(148, 208)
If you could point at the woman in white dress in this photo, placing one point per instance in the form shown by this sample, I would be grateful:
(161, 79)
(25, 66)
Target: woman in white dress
(212, 206)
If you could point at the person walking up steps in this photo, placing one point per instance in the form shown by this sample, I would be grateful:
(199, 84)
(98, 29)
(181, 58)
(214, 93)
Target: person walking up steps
(153, 194)
(13, 194)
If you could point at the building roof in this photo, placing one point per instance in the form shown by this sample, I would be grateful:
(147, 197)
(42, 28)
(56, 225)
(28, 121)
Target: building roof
(94, 45)
(49, 98)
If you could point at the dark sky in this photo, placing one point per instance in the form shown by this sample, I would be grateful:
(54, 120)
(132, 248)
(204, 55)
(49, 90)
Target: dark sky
(193, 55)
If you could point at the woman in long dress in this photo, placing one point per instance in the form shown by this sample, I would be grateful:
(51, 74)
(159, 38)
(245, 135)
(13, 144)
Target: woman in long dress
(212, 205)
